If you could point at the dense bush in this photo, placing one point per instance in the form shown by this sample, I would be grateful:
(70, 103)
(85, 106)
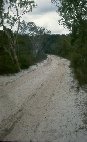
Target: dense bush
(24, 53)
(61, 46)
(6, 65)
(79, 64)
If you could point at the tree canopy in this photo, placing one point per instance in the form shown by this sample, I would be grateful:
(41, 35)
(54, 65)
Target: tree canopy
(72, 11)
(11, 12)
(74, 15)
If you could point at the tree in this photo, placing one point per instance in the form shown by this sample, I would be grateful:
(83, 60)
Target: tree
(1, 9)
(74, 16)
(10, 18)
(36, 35)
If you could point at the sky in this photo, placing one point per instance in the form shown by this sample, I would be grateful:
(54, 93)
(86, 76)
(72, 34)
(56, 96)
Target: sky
(45, 15)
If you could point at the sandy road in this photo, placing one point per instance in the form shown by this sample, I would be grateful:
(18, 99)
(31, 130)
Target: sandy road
(42, 105)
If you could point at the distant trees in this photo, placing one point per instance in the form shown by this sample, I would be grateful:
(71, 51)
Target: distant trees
(11, 12)
(57, 45)
(36, 35)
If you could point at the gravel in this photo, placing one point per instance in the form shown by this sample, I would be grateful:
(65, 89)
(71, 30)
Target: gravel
(42, 104)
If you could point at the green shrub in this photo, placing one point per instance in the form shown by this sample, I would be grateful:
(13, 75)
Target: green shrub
(79, 64)
(6, 65)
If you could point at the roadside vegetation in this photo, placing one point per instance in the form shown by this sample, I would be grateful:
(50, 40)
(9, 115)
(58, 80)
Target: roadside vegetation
(52, 44)
(61, 45)
(25, 52)
(19, 50)
(74, 17)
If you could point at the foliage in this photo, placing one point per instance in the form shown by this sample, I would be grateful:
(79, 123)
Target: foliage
(10, 18)
(57, 44)
(73, 12)
(13, 10)
(74, 16)
(24, 52)
(61, 45)
(52, 44)
(36, 35)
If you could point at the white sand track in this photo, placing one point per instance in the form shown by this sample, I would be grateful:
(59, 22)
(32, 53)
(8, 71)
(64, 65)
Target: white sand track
(41, 104)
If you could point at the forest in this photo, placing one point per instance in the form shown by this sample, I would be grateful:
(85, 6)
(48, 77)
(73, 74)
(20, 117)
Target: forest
(21, 49)
(43, 70)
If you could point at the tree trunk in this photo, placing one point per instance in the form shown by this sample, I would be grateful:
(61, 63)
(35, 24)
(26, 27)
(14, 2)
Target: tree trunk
(15, 58)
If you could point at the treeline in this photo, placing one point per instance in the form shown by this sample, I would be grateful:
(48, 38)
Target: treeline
(30, 50)
(28, 53)
(57, 45)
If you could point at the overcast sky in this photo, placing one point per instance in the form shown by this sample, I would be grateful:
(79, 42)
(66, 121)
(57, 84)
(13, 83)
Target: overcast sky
(45, 15)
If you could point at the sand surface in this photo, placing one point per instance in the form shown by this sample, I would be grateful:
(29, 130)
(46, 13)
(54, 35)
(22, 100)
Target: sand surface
(42, 104)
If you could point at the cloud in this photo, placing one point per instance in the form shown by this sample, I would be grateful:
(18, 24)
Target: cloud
(45, 15)
(43, 6)
(48, 19)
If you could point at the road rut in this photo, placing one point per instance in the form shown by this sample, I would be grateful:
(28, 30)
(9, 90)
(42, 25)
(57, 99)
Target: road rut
(42, 104)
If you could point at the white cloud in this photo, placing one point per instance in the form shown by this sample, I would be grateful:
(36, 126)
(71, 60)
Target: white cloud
(45, 15)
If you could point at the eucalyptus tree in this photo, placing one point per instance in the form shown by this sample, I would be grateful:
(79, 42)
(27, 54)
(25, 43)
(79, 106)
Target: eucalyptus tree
(11, 12)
